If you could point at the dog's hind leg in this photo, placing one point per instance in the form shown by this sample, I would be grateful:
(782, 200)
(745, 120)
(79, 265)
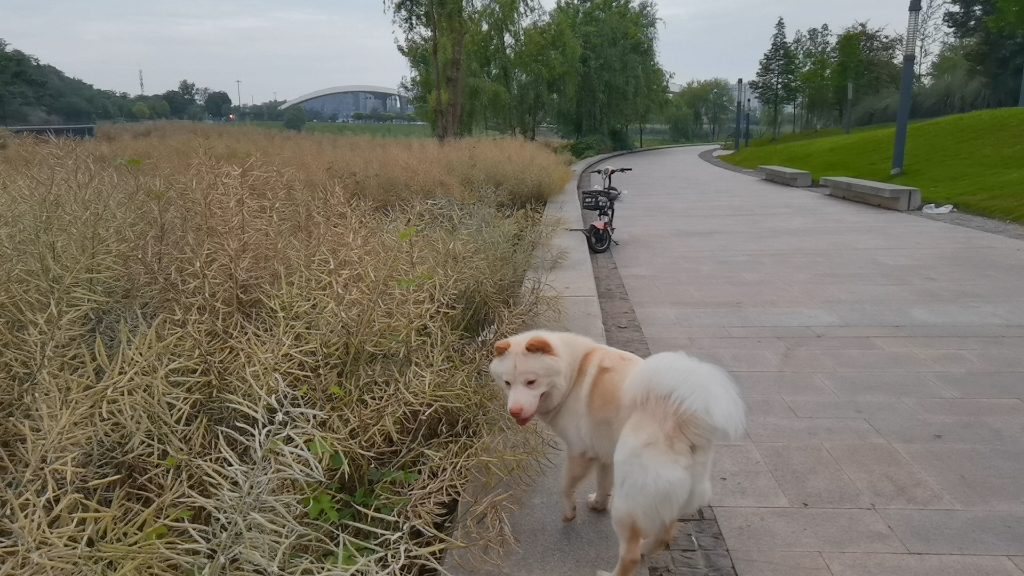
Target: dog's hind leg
(598, 501)
(700, 493)
(576, 469)
(630, 536)
(658, 543)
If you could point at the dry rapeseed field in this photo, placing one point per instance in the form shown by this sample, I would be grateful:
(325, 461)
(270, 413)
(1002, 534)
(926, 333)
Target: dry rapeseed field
(234, 351)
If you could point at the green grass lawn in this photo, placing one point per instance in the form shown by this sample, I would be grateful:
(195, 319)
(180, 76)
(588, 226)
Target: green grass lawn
(974, 161)
(809, 135)
(382, 130)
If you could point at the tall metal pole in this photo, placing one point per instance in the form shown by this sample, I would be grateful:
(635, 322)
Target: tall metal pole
(849, 105)
(739, 112)
(906, 88)
(1021, 103)
(746, 135)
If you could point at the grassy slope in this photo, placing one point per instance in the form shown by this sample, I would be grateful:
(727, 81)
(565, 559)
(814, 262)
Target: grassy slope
(974, 161)
(383, 130)
(813, 135)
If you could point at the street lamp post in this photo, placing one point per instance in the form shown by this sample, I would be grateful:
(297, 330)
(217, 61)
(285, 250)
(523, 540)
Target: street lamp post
(1021, 103)
(746, 134)
(906, 88)
(849, 106)
(739, 112)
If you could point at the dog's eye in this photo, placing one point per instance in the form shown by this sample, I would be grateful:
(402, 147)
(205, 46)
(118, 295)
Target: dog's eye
(508, 384)
(531, 382)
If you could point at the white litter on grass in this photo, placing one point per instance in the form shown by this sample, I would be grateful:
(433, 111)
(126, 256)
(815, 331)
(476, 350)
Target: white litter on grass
(931, 209)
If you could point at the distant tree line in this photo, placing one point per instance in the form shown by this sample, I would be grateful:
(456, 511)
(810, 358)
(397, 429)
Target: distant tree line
(587, 67)
(35, 93)
(377, 116)
(703, 110)
(970, 56)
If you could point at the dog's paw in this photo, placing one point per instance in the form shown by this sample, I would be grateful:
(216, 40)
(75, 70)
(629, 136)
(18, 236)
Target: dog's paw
(597, 505)
(569, 515)
(603, 573)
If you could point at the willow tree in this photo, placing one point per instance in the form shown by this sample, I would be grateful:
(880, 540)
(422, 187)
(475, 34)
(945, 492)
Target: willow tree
(610, 48)
(435, 44)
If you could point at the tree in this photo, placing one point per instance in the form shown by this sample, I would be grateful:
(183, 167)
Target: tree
(931, 33)
(160, 108)
(775, 84)
(295, 118)
(1009, 15)
(993, 34)
(140, 111)
(201, 95)
(816, 54)
(195, 113)
(953, 86)
(188, 91)
(719, 108)
(611, 79)
(869, 58)
(496, 39)
(435, 34)
(537, 73)
(178, 104)
(215, 103)
(16, 78)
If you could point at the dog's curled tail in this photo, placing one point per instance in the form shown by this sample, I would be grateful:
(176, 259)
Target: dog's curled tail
(693, 386)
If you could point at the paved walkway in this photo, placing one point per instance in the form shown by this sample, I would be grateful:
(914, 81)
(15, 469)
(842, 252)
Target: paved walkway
(881, 357)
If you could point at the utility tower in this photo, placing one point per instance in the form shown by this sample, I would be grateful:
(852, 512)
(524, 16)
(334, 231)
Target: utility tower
(142, 86)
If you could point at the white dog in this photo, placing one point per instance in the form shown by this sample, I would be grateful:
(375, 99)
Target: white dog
(647, 425)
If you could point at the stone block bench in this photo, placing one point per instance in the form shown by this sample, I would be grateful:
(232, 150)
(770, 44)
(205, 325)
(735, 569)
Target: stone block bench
(891, 196)
(787, 176)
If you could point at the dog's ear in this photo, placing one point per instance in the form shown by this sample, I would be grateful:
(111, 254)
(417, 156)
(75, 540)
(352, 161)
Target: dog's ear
(502, 347)
(540, 345)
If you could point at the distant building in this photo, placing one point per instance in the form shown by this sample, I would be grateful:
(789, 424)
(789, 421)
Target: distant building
(347, 100)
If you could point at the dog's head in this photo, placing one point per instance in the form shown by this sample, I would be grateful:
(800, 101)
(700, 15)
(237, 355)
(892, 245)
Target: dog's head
(530, 371)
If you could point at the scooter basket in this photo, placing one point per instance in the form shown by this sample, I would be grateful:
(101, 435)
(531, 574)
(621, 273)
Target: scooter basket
(594, 202)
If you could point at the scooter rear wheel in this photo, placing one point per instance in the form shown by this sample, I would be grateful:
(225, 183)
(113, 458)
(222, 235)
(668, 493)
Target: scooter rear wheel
(598, 239)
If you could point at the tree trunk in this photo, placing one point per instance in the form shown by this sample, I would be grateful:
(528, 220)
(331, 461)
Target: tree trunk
(775, 121)
(440, 125)
(455, 86)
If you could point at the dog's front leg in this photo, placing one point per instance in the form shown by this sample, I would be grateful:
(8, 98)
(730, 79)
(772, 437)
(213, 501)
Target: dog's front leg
(575, 471)
(598, 501)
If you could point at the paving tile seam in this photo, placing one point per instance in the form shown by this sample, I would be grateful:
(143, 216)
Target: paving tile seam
(772, 474)
(931, 483)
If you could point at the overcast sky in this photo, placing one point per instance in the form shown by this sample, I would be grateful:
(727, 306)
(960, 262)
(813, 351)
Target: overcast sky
(296, 46)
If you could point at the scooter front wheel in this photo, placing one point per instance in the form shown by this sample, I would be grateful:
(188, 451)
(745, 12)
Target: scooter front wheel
(598, 239)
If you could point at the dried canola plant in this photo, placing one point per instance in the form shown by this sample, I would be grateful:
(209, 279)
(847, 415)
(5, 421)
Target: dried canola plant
(234, 351)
